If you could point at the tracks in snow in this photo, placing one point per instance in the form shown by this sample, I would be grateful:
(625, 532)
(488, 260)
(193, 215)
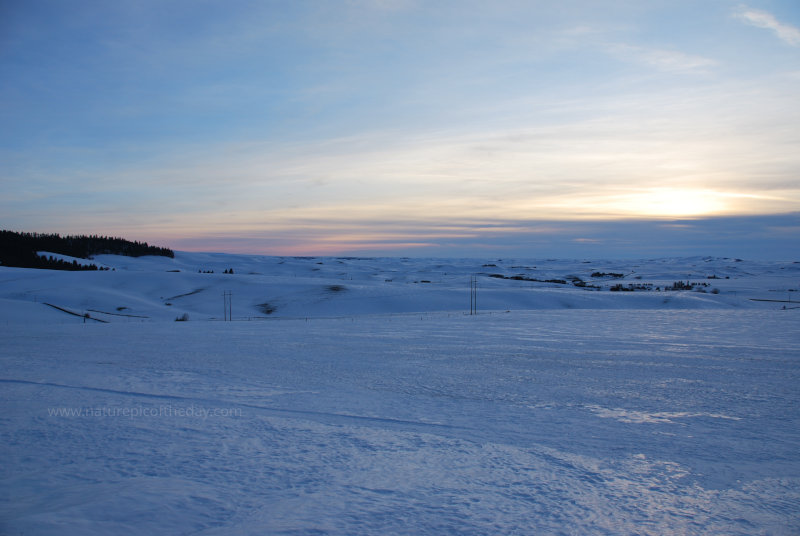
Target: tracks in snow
(317, 416)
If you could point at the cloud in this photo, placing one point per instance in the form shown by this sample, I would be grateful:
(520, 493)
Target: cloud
(754, 237)
(671, 61)
(762, 19)
(659, 155)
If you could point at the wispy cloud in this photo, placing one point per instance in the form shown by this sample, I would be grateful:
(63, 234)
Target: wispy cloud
(749, 237)
(320, 125)
(672, 61)
(763, 19)
(664, 154)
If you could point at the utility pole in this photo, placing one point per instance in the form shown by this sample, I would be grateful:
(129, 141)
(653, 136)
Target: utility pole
(473, 295)
(226, 305)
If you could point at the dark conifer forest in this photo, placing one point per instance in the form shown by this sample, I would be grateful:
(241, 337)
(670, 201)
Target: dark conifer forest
(21, 249)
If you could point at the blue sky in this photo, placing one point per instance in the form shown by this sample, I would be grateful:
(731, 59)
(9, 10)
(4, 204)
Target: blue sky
(405, 127)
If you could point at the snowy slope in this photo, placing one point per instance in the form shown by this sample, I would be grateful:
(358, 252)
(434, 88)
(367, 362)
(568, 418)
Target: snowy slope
(160, 288)
(540, 422)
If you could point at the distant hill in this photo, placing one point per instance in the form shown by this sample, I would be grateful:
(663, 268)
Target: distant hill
(21, 249)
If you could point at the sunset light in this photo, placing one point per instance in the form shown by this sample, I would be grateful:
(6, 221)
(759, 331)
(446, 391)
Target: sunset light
(675, 203)
(418, 127)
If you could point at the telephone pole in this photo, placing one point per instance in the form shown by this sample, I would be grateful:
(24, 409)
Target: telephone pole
(226, 306)
(473, 295)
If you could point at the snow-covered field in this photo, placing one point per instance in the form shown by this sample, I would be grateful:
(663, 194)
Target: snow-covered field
(363, 400)
(160, 288)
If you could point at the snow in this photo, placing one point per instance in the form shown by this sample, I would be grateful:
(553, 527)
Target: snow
(161, 288)
(384, 408)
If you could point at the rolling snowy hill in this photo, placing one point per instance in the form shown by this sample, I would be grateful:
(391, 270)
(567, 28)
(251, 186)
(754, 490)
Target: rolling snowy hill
(361, 398)
(161, 288)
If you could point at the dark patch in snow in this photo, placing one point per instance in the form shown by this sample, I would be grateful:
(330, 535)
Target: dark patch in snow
(196, 291)
(266, 308)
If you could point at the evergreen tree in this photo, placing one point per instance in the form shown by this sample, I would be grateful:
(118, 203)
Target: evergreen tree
(21, 249)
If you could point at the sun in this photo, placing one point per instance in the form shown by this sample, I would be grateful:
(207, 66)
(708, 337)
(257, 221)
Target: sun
(671, 202)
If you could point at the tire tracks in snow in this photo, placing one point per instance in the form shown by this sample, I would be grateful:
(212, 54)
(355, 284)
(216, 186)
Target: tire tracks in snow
(324, 417)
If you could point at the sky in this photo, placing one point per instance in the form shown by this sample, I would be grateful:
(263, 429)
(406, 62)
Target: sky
(578, 128)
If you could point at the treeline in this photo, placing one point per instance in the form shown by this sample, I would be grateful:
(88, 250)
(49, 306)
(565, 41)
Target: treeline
(21, 249)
